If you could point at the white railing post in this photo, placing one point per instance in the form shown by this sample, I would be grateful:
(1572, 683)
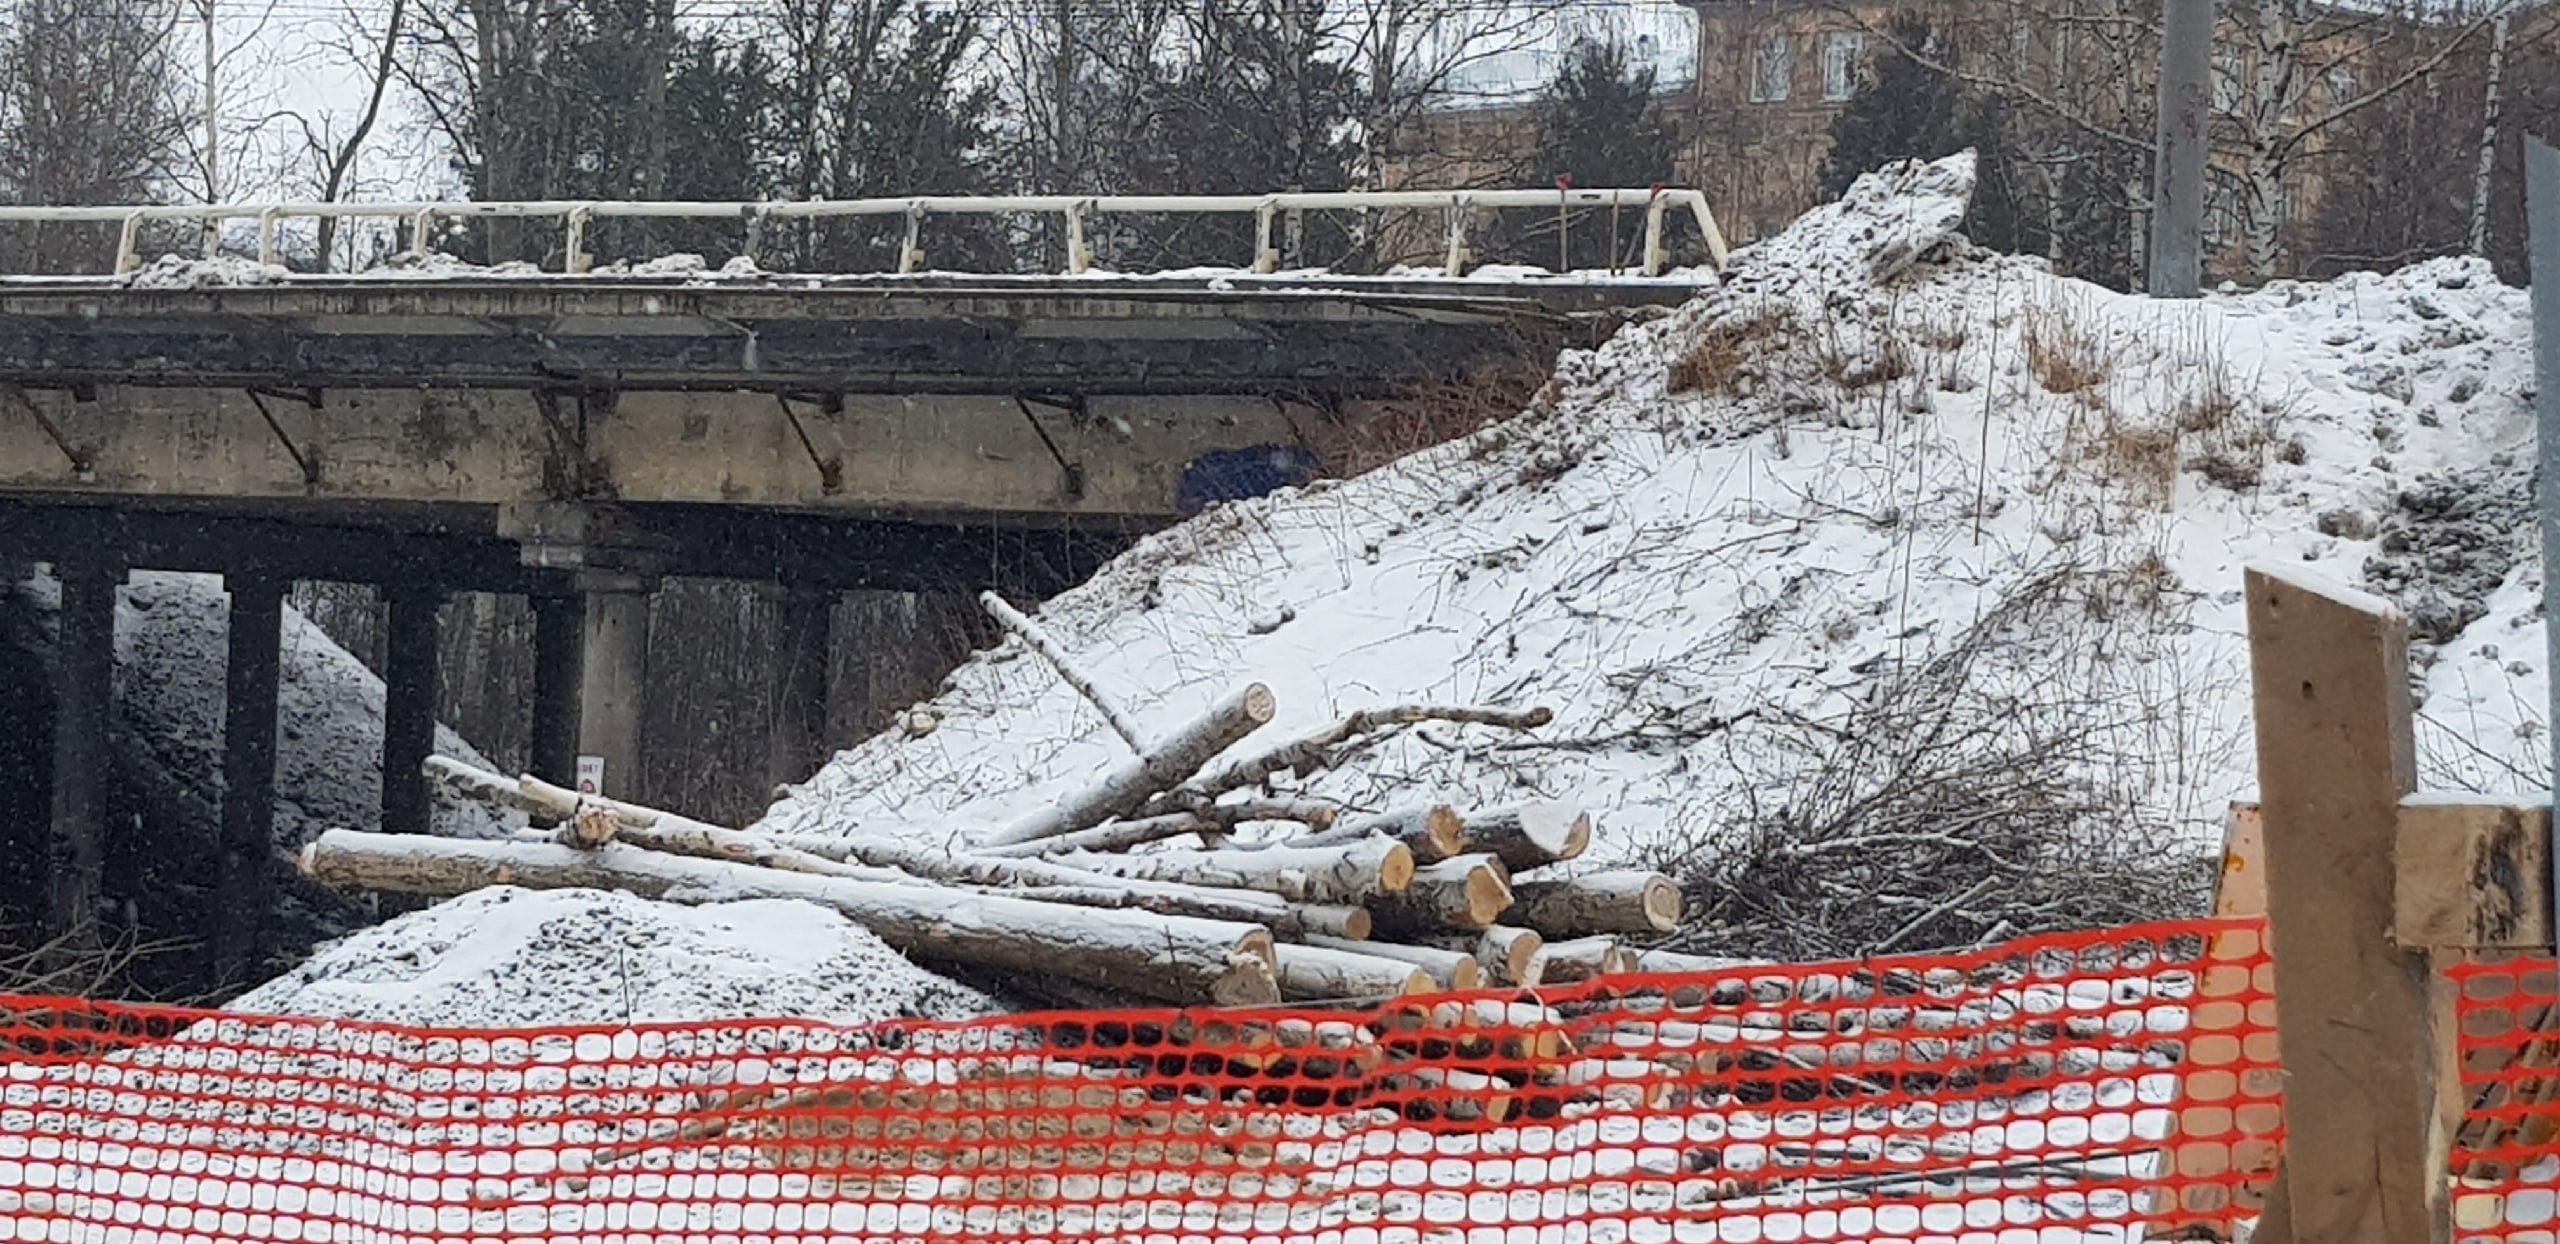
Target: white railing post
(1265, 260)
(575, 258)
(128, 244)
(1079, 259)
(422, 227)
(212, 233)
(755, 217)
(1656, 256)
(267, 235)
(1460, 205)
(911, 251)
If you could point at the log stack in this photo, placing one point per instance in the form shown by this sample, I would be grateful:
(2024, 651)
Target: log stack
(1177, 875)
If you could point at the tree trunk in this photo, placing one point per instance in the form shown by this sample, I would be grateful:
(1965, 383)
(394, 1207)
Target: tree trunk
(1566, 963)
(1155, 770)
(1607, 902)
(1672, 961)
(1176, 959)
(1529, 835)
(1116, 836)
(1433, 832)
(1314, 751)
(1319, 974)
(454, 782)
(1464, 894)
(1504, 952)
(1449, 969)
(2491, 102)
(1349, 874)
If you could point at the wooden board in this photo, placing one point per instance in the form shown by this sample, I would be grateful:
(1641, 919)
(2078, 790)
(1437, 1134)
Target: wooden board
(2366, 1146)
(2473, 875)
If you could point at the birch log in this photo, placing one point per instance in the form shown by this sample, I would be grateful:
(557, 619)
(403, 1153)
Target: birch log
(1314, 751)
(1350, 874)
(455, 782)
(1673, 961)
(1630, 901)
(1567, 963)
(1466, 893)
(1115, 836)
(1529, 835)
(1284, 918)
(1038, 640)
(1503, 951)
(1320, 974)
(1151, 772)
(1433, 832)
(1449, 969)
(1177, 959)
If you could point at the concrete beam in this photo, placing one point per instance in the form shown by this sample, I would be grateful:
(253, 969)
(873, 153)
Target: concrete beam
(953, 460)
(409, 708)
(614, 681)
(84, 708)
(250, 681)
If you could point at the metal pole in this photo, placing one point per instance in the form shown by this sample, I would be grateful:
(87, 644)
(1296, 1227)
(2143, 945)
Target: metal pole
(212, 132)
(2177, 180)
(2542, 238)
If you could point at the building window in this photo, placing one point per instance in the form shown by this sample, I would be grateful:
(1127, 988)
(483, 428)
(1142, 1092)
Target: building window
(1840, 53)
(1769, 69)
(2230, 67)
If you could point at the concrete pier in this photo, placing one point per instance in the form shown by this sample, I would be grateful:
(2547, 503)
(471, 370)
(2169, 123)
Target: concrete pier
(84, 708)
(409, 707)
(250, 684)
(614, 678)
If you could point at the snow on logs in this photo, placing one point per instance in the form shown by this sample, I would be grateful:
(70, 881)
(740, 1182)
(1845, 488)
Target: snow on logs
(1353, 873)
(1465, 892)
(1179, 959)
(1158, 768)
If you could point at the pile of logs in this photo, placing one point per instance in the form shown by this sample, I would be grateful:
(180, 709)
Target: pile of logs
(1175, 876)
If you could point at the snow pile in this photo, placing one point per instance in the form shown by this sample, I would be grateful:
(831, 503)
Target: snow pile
(1723, 539)
(510, 958)
(215, 272)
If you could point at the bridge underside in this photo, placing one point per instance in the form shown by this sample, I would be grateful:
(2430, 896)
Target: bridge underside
(576, 442)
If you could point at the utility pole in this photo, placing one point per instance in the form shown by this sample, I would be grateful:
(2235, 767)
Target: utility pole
(212, 131)
(2185, 137)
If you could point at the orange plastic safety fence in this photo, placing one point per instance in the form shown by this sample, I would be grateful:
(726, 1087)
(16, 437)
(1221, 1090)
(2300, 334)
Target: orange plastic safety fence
(2045, 1091)
(2507, 1152)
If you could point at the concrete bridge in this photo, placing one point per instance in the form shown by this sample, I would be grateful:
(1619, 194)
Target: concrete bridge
(576, 438)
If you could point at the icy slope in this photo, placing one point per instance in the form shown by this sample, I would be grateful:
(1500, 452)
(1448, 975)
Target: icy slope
(1733, 532)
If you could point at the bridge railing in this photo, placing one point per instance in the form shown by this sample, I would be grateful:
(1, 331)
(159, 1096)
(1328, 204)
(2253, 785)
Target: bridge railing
(1076, 212)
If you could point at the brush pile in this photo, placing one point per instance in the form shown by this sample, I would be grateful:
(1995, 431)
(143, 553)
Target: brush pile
(1170, 877)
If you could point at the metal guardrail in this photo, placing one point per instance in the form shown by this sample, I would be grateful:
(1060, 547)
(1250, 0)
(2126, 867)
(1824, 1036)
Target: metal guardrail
(1458, 205)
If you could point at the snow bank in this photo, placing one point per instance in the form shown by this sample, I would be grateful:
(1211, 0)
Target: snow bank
(1742, 522)
(510, 958)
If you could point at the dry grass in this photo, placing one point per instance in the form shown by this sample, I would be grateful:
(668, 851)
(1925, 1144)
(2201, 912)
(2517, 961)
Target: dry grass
(1426, 414)
(2063, 355)
(1718, 364)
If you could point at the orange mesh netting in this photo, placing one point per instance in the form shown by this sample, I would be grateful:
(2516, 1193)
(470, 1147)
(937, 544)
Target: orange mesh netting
(2055, 1089)
(2507, 1151)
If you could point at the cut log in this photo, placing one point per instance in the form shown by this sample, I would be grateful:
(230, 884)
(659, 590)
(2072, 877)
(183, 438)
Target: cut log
(1449, 969)
(1314, 751)
(1177, 959)
(1673, 961)
(1465, 894)
(1116, 836)
(1529, 835)
(1038, 640)
(454, 782)
(1567, 963)
(1350, 874)
(1320, 974)
(1436, 1094)
(1284, 918)
(1503, 951)
(589, 829)
(1433, 832)
(1314, 814)
(1154, 770)
(1630, 901)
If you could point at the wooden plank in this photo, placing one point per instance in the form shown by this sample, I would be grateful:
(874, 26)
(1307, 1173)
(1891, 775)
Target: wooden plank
(2472, 875)
(2366, 1146)
(2242, 889)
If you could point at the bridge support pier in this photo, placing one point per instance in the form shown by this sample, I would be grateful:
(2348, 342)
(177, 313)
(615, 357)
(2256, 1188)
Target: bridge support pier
(250, 678)
(614, 676)
(559, 648)
(796, 734)
(409, 709)
(84, 707)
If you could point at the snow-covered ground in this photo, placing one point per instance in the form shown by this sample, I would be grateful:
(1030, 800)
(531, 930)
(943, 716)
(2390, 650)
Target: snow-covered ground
(1747, 515)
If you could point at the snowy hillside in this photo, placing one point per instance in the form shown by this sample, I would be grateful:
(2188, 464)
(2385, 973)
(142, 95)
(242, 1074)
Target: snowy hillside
(1880, 498)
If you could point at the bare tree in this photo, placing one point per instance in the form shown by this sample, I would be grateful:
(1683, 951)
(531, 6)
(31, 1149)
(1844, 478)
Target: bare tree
(88, 108)
(334, 156)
